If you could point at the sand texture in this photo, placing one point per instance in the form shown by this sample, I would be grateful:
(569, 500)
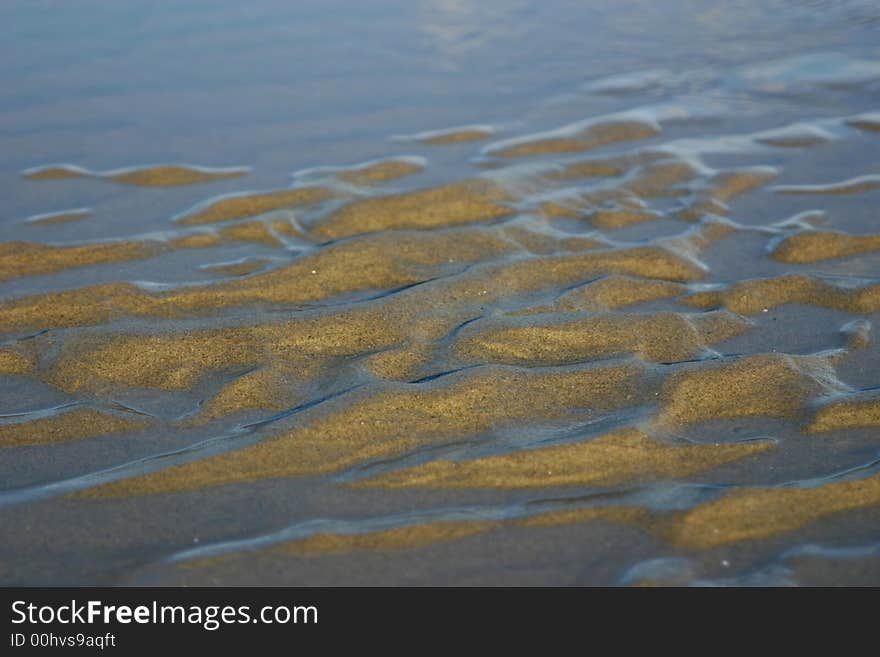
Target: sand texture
(624, 337)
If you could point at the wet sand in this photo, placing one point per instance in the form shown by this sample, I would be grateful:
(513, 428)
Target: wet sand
(625, 336)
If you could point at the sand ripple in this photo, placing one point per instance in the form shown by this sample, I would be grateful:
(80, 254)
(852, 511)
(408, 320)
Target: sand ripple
(625, 340)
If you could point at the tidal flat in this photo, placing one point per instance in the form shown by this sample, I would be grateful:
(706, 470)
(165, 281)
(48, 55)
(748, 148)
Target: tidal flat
(395, 293)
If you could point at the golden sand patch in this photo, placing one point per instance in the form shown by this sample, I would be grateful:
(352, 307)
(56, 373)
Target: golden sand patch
(62, 217)
(617, 291)
(795, 136)
(397, 418)
(90, 305)
(373, 262)
(661, 178)
(172, 175)
(376, 262)
(693, 241)
(662, 337)
(850, 412)
(471, 201)
(76, 424)
(400, 363)
(857, 334)
(382, 171)
(242, 268)
(587, 138)
(54, 172)
(196, 241)
(482, 285)
(621, 456)
(608, 293)
(644, 261)
(596, 167)
(13, 362)
(648, 175)
(700, 206)
(712, 196)
(728, 185)
(32, 259)
(267, 388)
(488, 283)
(241, 206)
(542, 242)
(756, 513)
(816, 246)
(178, 360)
(171, 361)
(175, 361)
(287, 228)
(163, 175)
(755, 295)
(616, 219)
(771, 385)
(568, 208)
(250, 231)
(454, 135)
(869, 122)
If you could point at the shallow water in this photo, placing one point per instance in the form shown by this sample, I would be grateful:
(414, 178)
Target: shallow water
(440, 293)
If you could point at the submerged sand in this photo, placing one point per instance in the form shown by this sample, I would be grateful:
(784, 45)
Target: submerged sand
(554, 340)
